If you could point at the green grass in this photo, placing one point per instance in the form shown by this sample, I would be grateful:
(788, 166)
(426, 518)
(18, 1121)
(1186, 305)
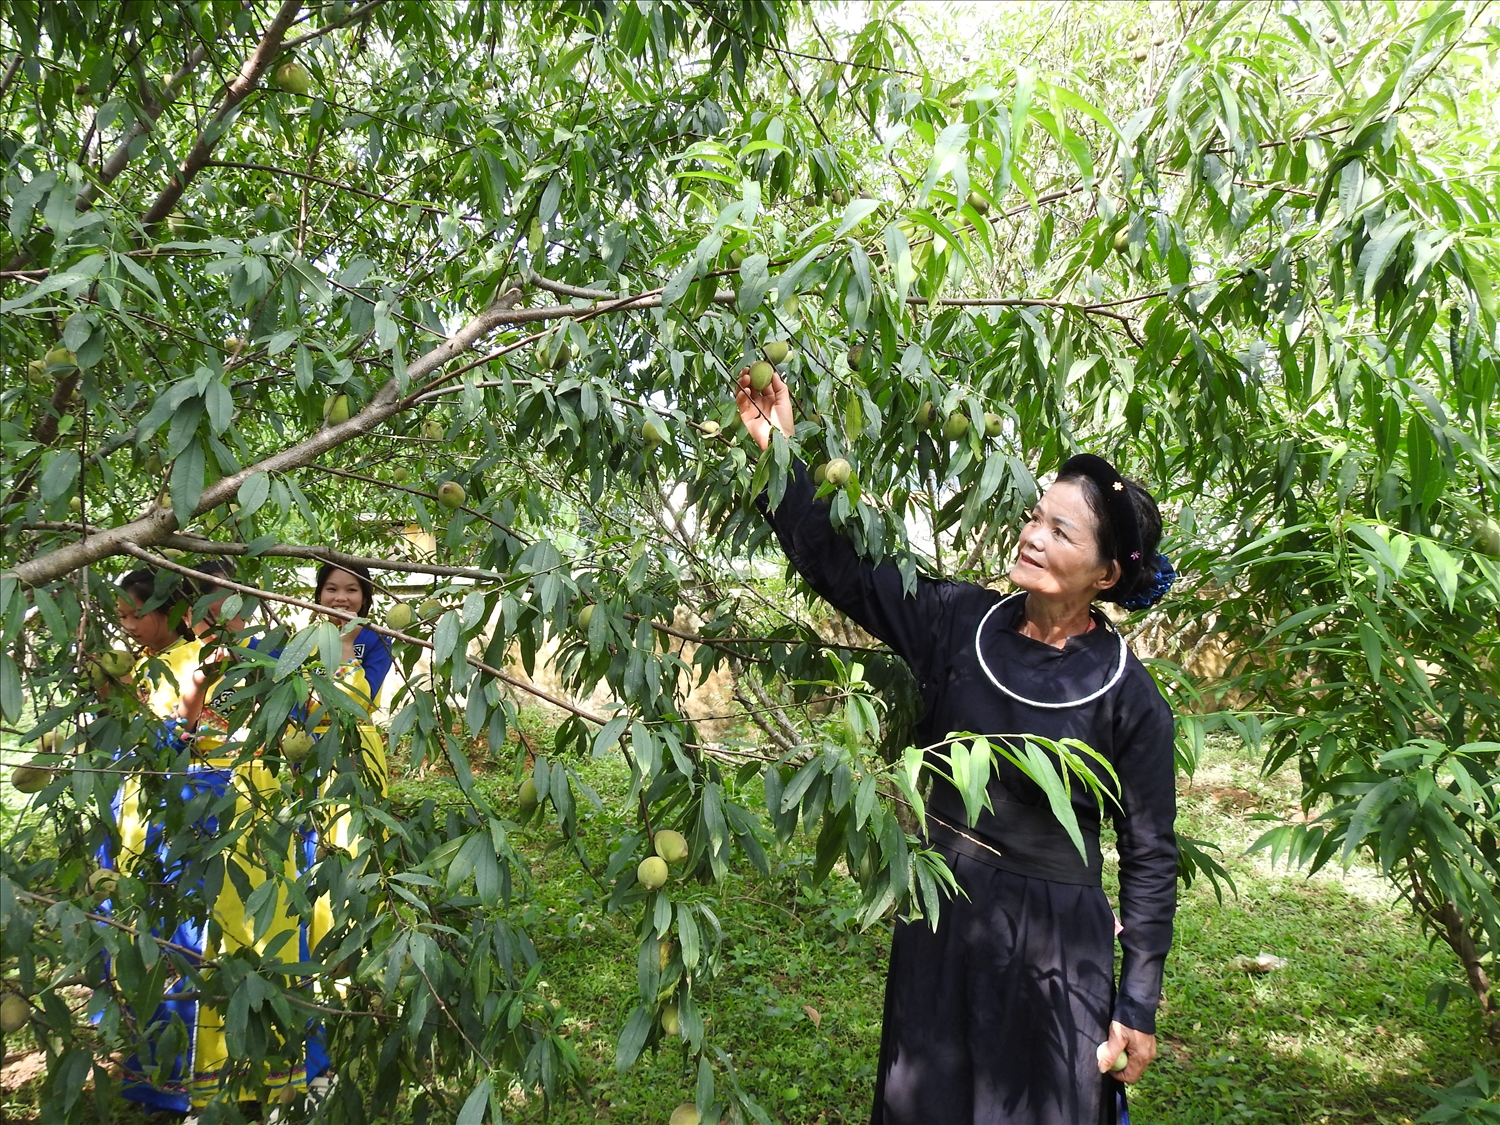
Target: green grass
(1340, 1034)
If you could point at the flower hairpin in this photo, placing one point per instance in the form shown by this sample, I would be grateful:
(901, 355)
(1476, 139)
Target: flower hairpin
(1135, 555)
(1119, 486)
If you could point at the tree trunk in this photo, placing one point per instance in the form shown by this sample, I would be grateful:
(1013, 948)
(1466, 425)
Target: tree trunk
(1450, 924)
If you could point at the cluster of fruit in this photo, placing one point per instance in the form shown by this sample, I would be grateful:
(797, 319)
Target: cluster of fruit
(58, 358)
(762, 371)
(671, 848)
(402, 616)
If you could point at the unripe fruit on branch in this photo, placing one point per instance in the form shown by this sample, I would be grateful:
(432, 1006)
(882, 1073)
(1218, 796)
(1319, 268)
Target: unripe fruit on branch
(15, 1013)
(837, 472)
(335, 410)
(652, 434)
(652, 873)
(777, 350)
(49, 743)
(553, 360)
(115, 663)
(178, 224)
(820, 474)
(60, 357)
(979, 203)
(956, 426)
(663, 954)
(400, 617)
(400, 474)
(585, 615)
(527, 797)
(1121, 240)
(433, 430)
(30, 778)
(75, 504)
(855, 356)
(451, 495)
(993, 425)
(685, 1114)
(233, 345)
(671, 846)
(709, 428)
(286, 1095)
(429, 609)
(671, 1022)
(761, 374)
(923, 417)
(296, 746)
(293, 78)
(102, 883)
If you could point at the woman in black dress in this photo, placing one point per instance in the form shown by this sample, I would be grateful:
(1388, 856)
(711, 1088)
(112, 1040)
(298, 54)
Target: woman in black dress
(995, 1018)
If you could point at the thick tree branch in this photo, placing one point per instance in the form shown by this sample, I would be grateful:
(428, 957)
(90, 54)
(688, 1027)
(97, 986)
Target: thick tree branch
(260, 60)
(158, 523)
(115, 163)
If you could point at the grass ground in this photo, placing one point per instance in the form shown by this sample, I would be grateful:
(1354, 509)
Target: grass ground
(1341, 1033)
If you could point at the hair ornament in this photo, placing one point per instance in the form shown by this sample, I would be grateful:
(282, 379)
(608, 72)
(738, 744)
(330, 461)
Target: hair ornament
(1165, 575)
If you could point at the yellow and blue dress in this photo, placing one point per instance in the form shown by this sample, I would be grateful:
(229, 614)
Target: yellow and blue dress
(200, 1069)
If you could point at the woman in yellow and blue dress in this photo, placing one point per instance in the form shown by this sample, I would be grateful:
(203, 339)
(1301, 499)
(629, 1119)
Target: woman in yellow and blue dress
(220, 747)
(364, 661)
(196, 746)
(168, 682)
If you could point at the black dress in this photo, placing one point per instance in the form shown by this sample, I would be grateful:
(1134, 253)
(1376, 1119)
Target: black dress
(994, 1019)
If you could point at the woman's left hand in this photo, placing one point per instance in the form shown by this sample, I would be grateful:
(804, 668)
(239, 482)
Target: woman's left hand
(1141, 1047)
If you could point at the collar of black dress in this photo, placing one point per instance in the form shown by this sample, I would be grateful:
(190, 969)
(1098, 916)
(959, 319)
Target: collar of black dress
(1121, 513)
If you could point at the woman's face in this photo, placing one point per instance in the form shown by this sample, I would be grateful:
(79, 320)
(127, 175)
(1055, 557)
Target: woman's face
(341, 590)
(149, 630)
(1058, 555)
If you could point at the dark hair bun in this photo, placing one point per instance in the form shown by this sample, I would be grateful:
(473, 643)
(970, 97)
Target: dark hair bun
(1155, 581)
(1148, 519)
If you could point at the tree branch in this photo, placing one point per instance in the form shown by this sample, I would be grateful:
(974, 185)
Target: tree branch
(197, 158)
(144, 555)
(115, 164)
(349, 17)
(155, 525)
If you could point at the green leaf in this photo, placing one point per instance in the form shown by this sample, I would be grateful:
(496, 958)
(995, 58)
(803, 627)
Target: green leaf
(187, 482)
(755, 282)
(472, 1112)
(633, 1038)
(59, 475)
(857, 212)
(1444, 570)
(298, 649)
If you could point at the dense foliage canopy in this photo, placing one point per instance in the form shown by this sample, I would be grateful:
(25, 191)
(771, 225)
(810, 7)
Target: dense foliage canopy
(1247, 249)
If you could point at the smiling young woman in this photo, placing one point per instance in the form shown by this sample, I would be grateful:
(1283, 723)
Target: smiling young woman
(998, 1015)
